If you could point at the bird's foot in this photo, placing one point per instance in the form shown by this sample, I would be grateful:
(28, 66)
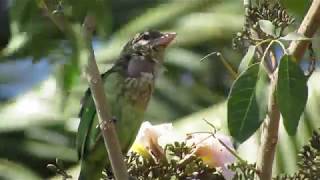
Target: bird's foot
(103, 123)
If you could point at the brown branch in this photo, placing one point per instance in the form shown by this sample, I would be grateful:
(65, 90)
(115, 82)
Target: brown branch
(107, 127)
(308, 28)
(269, 136)
(106, 124)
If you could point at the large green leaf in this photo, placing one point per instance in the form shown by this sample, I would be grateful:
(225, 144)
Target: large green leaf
(247, 103)
(292, 93)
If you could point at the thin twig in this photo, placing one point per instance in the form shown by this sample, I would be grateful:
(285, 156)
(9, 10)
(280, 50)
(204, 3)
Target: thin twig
(222, 143)
(266, 51)
(226, 64)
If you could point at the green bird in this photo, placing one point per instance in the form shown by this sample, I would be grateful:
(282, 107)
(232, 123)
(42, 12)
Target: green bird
(128, 86)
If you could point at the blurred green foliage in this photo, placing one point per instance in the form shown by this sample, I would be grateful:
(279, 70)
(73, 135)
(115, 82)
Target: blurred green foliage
(40, 125)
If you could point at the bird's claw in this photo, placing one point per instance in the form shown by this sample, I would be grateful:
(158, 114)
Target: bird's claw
(112, 120)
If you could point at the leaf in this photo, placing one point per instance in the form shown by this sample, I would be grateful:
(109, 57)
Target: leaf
(247, 106)
(267, 27)
(294, 36)
(292, 93)
(278, 32)
(247, 59)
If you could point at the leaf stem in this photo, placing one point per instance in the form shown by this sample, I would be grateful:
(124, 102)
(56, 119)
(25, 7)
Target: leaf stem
(262, 42)
(284, 50)
(266, 51)
(226, 64)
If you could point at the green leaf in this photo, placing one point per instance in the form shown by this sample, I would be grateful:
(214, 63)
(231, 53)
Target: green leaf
(295, 36)
(292, 93)
(247, 103)
(267, 27)
(247, 59)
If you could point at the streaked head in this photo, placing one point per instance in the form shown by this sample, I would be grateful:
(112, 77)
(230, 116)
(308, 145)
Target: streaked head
(149, 43)
(144, 52)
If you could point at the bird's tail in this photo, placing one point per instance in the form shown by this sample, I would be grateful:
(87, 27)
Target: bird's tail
(90, 171)
(93, 165)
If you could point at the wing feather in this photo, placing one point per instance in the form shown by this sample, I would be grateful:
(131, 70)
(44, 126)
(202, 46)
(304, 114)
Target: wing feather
(87, 130)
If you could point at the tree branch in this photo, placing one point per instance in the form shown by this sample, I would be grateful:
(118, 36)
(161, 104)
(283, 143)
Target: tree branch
(269, 136)
(308, 28)
(106, 124)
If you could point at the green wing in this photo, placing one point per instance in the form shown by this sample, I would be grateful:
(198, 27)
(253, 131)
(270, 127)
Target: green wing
(127, 101)
(88, 130)
(86, 115)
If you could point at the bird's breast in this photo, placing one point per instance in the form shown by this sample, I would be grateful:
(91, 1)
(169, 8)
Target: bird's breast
(139, 89)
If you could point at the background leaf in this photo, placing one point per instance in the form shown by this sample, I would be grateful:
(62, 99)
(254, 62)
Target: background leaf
(245, 113)
(292, 93)
(267, 27)
(247, 59)
(294, 36)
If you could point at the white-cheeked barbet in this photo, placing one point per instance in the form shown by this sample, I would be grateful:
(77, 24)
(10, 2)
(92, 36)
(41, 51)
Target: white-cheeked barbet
(128, 86)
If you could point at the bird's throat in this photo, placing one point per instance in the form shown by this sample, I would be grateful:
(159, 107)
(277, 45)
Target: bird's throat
(138, 66)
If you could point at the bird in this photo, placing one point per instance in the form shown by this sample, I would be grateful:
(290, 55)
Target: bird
(128, 86)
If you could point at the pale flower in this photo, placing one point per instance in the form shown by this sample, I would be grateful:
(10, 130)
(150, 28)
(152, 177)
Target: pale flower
(153, 138)
(212, 152)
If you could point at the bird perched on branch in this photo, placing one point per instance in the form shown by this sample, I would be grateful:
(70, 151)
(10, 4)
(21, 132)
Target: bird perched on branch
(128, 86)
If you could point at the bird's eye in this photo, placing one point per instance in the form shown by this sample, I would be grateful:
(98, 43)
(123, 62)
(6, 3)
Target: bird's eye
(145, 37)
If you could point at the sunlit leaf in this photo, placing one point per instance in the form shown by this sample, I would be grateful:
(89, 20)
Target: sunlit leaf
(247, 106)
(247, 59)
(294, 36)
(267, 27)
(292, 93)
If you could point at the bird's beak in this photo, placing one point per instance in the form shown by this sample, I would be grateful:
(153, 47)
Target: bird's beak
(165, 39)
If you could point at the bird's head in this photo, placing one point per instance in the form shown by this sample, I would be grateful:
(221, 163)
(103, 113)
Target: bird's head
(150, 44)
(144, 52)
